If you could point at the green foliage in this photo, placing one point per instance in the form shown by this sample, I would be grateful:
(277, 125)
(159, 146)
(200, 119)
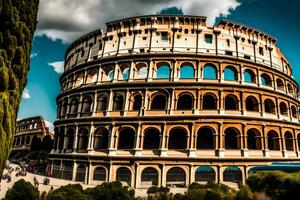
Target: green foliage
(69, 192)
(244, 193)
(17, 26)
(277, 185)
(22, 190)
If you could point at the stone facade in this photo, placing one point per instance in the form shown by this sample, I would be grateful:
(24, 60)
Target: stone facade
(167, 101)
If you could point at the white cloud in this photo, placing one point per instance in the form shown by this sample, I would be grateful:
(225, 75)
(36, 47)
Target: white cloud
(50, 126)
(26, 94)
(32, 55)
(67, 20)
(58, 66)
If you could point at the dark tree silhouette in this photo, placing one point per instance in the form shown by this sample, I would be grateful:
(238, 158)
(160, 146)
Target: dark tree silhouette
(17, 26)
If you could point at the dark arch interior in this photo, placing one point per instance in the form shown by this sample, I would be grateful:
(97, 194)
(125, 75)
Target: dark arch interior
(205, 138)
(273, 141)
(232, 174)
(185, 102)
(251, 104)
(137, 102)
(231, 138)
(124, 175)
(176, 177)
(150, 175)
(99, 174)
(209, 102)
(126, 139)
(205, 173)
(101, 139)
(231, 102)
(151, 139)
(159, 102)
(253, 139)
(177, 139)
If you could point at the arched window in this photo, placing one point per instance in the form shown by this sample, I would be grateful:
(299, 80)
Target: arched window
(187, 71)
(87, 104)
(290, 89)
(151, 139)
(126, 138)
(230, 74)
(74, 106)
(205, 173)
(99, 174)
(280, 84)
(67, 171)
(231, 102)
(232, 174)
(27, 139)
(124, 175)
(252, 104)
(126, 74)
(176, 177)
(231, 138)
(137, 102)
(266, 80)
(80, 173)
(111, 75)
(60, 144)
(294, 111)
(269, 106)
(70, 138)
(118, 102)
(283, 109)
(149, 176)
(288, 137)
(64, 108)
(91, 77)
(163, 72)
(209, 102)
(249, 76)
(205, 138)
(83, 137)
(185, 102)
(101, 103)
(273, 141)
(79, 80)
(253, 139)
(209, 72)
(101, 139)
(159, 102)
(177, 139)
(298, 139)
(142, 73)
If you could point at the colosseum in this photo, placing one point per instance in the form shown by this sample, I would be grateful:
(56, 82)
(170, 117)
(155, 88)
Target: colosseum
(166, 100)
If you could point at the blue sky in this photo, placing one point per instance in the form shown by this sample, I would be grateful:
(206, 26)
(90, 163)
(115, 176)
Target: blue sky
(277, 17)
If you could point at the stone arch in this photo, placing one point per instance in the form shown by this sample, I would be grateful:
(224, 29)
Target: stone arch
(163, 70)
(252, 104)
(136, 101)
(273, 140)
(210, 101)
(269, 106)
(99, 174)
(205, 138)
(79, 79)
(142, 71)
(232, 174)
(101, 103)
(87, 104)
(83, 136)
(101, 138)
(149, 174)
(210, 71)
(74, 105)
(294, 111)
(249, 76)
(159, 101)
(279, 84)
(126, 138)
(92, 76)
(151, 138)
(178, 138)
(231, 102)
(266, 80)
(124, 175)
(176, 176)
(205, 173)
(187, 71)
(232, 138)
(230, 73)
(80, 173)
(289, 140)
(70, 138)
(283, 108)
(185, 101)
(118, 103)
(254, 139)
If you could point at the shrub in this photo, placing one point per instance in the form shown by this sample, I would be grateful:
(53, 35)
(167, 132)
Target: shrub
(22, 190)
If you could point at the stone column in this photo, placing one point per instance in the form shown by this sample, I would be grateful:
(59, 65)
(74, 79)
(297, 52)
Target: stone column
(95, 103)
(150, 71)
(126, 103)
(110, 102)
(112, 140)
(221, 150)
(266, 145)
(282, 143)
(91, 137)
(192, 146)
(138, 149)
(244, 141)
(163, 149)
(79, 106)
(131, 72)
(75, 139)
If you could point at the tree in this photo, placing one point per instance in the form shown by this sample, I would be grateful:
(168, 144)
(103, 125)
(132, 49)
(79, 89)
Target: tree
(22, 190)
(68, 192)
(17, 26)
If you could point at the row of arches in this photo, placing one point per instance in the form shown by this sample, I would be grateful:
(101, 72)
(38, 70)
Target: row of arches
(186, 70)
(177, 138)
(184, 101)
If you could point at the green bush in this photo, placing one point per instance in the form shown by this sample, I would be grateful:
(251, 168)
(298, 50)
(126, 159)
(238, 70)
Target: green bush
(22, 190)
(69, 192)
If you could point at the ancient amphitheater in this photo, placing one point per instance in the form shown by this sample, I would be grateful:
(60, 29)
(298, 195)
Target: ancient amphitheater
(165, 100)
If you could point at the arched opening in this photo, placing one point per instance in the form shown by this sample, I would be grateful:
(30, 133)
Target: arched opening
(137, 102)
(101, 139)
(252, 104)
(269, 106)
(125, 74)
(230, 74)
(187, 71)
(232, 174)
(70, 138)
(99, 174)
(273, 141)
(231, 102)
(118, 103)
(142, 73)
(177, 139)
(87, 104)
(210, 102)
(185, 102)
(111, 75)
(205, 138)
(294, 111)
(253, 139)
(79, 80)
(210, 72)
(163, 72)
(64, 108)
(280, 84)
(290, 89)
(66, 171)
(101, 103)
(205, 173)
(74, 106)
(176, 177)
(126, 138)
(231, 138)
(159, 102)
(83, 136)
(266, 80)
(149, 176)
(61, 140)
(91, 77)
(151, 139)
(288, 137)
(27, 139)
(124, 175)
(283, 109)
(80, 173)
(249, 76)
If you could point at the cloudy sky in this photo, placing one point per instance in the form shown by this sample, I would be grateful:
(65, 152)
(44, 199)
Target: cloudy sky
(61, 21)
